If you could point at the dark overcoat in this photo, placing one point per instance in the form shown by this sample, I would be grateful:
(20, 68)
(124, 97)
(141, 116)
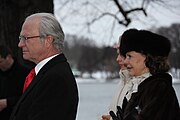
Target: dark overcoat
(52, 94)
(155, 100)
(11, 87)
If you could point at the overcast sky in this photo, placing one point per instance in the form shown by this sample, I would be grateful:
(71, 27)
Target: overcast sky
(73, 22)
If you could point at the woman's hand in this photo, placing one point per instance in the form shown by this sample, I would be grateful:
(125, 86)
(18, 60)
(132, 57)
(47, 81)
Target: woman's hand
(106, 117)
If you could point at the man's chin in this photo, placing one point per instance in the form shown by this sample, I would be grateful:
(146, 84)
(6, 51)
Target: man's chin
(25, 57)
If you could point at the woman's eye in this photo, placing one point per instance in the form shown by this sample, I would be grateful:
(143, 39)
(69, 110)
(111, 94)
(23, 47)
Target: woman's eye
(128, 57)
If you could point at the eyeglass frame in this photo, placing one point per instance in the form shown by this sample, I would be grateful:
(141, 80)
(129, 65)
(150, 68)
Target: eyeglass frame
(24, 38)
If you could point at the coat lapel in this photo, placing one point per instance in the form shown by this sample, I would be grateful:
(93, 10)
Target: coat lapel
(37, 78)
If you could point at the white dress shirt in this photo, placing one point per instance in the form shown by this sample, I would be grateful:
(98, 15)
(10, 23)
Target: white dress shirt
(42, 63)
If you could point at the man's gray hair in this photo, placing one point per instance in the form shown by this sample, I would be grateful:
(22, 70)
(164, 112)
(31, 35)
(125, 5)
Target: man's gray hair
(49, 25)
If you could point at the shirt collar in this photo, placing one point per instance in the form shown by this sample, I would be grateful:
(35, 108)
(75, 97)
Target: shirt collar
(42, 63)
(138, 79)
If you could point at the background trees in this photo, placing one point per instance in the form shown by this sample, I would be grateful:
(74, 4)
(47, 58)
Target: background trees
(88, 57)
(173, 33)
(107, 19)
(83, 53)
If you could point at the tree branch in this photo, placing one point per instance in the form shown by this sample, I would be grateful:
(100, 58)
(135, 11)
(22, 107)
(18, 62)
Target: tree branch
(108, 14)
(127, 20)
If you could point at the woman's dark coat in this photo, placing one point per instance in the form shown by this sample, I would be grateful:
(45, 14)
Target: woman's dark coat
(155, 100)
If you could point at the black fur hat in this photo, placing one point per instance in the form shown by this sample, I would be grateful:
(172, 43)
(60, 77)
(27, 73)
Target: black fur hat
(144, 42)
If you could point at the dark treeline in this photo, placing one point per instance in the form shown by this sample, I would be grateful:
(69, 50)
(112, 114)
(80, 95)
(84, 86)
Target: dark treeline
(82, 53)
(173, 33)
(86, 56)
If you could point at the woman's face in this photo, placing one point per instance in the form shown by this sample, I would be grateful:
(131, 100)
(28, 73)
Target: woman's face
(120, 60)
(135, 63)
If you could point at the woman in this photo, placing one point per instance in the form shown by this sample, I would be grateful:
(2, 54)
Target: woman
(122, 86)
(151, 96)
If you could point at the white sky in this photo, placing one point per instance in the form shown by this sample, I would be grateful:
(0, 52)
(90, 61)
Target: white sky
(73, 21)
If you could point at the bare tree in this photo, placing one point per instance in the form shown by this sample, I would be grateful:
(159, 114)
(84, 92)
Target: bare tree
(104, 17)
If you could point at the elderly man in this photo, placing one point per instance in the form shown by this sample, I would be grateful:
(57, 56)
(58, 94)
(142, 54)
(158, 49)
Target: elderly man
(50, 92)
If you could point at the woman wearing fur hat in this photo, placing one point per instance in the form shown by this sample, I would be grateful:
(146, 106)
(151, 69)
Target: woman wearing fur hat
(151, 96)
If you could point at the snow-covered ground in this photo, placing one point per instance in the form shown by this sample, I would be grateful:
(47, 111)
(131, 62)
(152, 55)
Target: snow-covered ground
(103, 80)
(176, 80)
(100, 77)
(95, 97)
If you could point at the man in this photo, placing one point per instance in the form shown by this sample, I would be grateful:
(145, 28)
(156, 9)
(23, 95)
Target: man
(12, 76)
(53, 93)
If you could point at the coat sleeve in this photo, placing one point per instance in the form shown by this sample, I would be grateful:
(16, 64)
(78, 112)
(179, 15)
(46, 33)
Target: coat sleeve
(159, 102)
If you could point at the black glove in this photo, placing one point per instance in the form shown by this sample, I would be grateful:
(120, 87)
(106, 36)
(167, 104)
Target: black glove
(133, 115)
(118, 115)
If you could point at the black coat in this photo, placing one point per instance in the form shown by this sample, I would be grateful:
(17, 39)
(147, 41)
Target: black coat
(52, 94)
(11, 87)
(155, 100)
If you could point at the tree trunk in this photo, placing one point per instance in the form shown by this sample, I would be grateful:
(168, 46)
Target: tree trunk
(12, 15)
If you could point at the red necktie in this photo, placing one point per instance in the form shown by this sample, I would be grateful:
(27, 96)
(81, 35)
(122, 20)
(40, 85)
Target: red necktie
(29, 79)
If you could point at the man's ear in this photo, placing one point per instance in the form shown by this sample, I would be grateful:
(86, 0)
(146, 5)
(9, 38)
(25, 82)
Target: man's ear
(49, 40)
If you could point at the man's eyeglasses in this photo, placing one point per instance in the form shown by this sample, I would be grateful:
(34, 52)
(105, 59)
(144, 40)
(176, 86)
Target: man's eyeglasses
(24, 38)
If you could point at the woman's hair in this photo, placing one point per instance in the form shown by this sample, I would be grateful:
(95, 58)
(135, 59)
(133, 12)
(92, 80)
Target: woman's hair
(157, 64)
